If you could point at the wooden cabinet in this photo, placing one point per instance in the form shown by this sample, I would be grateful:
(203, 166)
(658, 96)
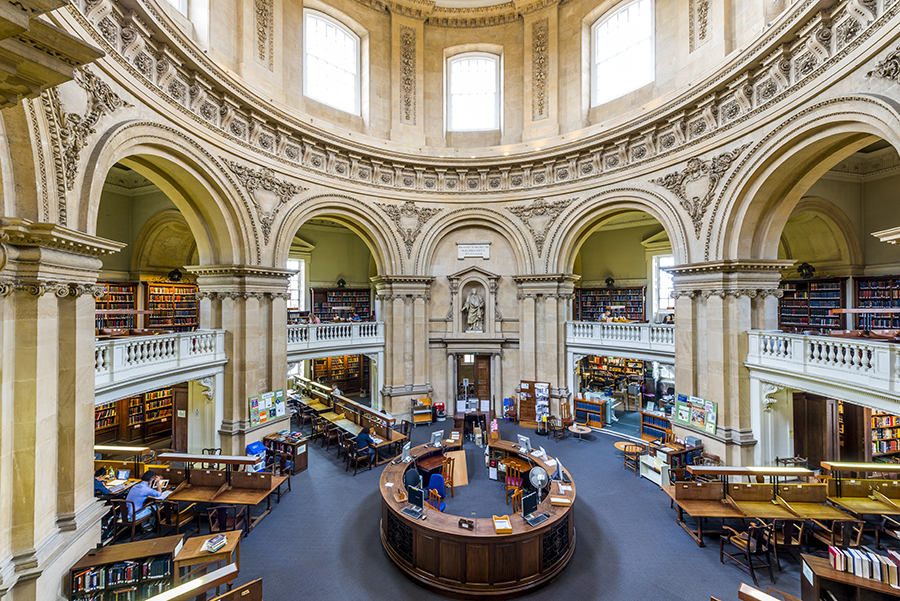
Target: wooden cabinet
(818, 577)
(174, 307)
(126, 572)
(349, 372)
(158, 413)
(328, 303)
(654, 425)
(106, 423)
(805, 304)
(590, 413)
(590, 303)
(292, 444)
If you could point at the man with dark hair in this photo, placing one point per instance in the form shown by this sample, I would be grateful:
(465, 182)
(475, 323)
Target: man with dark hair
(99, 487)
(147, 487)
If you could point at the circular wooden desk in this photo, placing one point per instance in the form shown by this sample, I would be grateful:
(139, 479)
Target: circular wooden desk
(579, 431)
(626, 443)
(478, 563)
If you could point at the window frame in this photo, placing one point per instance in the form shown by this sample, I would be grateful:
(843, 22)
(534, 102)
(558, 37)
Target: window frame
(657, 280)
(498, 95)
(318, 14)
(592, 60)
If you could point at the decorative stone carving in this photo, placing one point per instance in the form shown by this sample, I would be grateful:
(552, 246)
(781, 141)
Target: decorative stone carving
(264, 30)
(769, 392)
(208, 391)
(702, 19)
(696, 185)
(408, 219)
(698, 23)
(407, 75)
(264, 179)
(474, 310)
(539, 216)
(540, 60)
(889, 68)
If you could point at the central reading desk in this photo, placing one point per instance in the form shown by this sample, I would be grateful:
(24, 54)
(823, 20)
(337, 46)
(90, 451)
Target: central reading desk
(478, 563)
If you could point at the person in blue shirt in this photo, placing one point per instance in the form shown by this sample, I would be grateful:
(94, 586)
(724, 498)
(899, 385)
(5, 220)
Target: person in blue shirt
(147, 487)
(365, 444)
(99, 487)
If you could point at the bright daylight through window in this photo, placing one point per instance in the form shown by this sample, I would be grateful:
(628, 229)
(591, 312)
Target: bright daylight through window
(474, 98)
(331, 69)
(622, 52)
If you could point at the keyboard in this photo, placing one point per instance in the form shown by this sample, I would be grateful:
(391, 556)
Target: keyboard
(537, 518)
(414, 513)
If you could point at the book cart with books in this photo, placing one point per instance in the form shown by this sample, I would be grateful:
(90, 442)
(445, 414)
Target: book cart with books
(876, 293)
(118, 297)
(328, 303)
(628, 303)
(126, 572)
(174, 307)
(805, 304)
(291, 444)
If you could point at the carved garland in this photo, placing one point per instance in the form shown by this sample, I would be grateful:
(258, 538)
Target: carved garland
(253, 180)
(696, 170)
(540, 58)
(407, 75)
(540, 208)
(406, 212)
(264, 29)
(889, 68)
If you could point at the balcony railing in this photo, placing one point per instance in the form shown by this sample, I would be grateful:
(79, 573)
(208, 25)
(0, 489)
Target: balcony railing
(657, 339)
(123, 360)
(364, 335)
(847, 362)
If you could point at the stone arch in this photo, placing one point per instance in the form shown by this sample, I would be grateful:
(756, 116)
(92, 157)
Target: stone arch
(474, 217)
(349, 212)
(839, 227)
(776, 173)
(169, 224)
(189, 175)
(584, 217)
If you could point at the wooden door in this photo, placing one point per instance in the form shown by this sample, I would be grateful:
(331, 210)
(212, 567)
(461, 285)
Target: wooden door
(179, 418)
(483, 377)
(815, 428)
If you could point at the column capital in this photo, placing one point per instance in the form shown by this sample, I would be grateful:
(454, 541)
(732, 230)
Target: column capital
(389, 287)
(555, 285)
(240, 281)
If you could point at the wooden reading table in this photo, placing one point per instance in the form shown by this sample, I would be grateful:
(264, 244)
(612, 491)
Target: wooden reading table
(862, 497)
(318, 407)
(194, 553)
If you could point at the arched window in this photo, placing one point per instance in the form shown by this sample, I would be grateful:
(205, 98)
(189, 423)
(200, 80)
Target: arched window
(473, 92)
(180, 5)
(622, 51)
(331, 62)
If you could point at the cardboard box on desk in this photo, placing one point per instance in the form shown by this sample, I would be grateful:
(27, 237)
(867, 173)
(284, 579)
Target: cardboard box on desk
(478, 436)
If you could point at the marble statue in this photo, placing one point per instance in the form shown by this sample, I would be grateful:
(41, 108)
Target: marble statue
(474, 309)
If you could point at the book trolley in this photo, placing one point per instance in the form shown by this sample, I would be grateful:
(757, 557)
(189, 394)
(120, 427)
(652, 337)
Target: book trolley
(292, 444)
(126, 572)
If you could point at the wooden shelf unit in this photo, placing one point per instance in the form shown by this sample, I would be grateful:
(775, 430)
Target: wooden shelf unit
(324, 300)
(349, 372)
(590, 413)
(174, 307)
(805, 304)
(147, 567)
(878, 292)
(596, 367)
(885, 434)
(293, 444)
(654, 425)
(842, 585)
(139, 418)
(157, 412)
(119, 296)
(591, 302)
(106, 423)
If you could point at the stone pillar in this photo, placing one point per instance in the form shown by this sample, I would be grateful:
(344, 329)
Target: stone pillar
(249, 302)
(716, 303)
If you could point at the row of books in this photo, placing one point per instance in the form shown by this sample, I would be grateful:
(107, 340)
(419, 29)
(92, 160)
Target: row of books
(885, 433)
(159, 403)
(885, 446)
(865, 563)
(882, 420)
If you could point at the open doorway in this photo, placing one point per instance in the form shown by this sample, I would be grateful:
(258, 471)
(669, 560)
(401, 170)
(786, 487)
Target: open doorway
(473, 377)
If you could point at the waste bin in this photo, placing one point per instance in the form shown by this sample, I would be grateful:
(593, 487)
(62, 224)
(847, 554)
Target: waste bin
(439, 411)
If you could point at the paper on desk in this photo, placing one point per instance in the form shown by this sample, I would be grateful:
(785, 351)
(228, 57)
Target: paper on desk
(502, 524)
(536, 453)
(551, 463)
(377, 440)
(388, 484)
(564, 488)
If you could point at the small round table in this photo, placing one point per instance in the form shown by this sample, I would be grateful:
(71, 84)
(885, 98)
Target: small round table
(579, 431)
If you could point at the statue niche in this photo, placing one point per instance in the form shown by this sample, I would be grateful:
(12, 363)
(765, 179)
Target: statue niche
(473, 307)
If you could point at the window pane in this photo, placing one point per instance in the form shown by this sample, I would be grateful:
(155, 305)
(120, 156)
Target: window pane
(331, 68)
(623, 51)
(473, 94)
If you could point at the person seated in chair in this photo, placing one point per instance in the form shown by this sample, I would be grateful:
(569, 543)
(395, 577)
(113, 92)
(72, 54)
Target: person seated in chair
(147, 487)
(100, 486)
(365, 444)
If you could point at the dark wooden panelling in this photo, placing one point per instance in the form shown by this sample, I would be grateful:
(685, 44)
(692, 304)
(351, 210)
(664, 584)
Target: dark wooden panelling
(426, 553)
(477, 564)
(530, 551)
(451, 560)
(506, 563)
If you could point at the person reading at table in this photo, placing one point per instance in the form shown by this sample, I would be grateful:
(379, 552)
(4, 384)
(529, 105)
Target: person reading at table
(100, 486)
(147, 487)
(364, 443)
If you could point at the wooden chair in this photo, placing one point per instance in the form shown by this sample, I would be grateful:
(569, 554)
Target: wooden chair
(447, 473)
(633, 454)
(511, 414)
(787, 534)
(121, 522)
(513, 480)
(357, 458)
(555, 428)
(517, 501)
(343, 445)
(566, 412)
(210, 451)
(846, 534)
(755, 542)
(707, 459)
(173, 518)
(318, 427)
(405, 427)
(434, 499)
(677, 474)
(226, 518)
(332, 433)
(889, 526)
(306, 416)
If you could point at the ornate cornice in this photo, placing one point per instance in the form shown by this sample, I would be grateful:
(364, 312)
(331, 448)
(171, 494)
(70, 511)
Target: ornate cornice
(41, 288)
(23, 232)
(239, 271)
(731, 266)
(539, 216)
(728, 292)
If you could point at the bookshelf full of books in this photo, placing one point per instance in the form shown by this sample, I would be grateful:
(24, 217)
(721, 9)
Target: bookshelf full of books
(329, 303)
(603, 370)
(126, 572)
(885, 434)
(627, 303)
(139, 418)
(878, 293)
(805, 304)
(158, 413)
(106, 423)
(174, 307)
(350, 373)
(118, 297)
(654, 425)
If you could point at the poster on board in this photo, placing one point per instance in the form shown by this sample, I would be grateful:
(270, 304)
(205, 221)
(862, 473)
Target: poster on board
(696, 413)
(267, 406)
(254, 411)
(280, 405)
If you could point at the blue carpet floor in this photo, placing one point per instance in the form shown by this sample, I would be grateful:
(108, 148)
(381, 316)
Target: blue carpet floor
(322, 541)
(629, 423)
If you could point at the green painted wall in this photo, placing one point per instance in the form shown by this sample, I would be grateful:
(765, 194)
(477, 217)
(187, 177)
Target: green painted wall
(339, 254)
(615, 253)
(121, 218)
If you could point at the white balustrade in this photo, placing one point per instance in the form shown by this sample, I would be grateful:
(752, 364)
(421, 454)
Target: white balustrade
(352, 337)
(610, 337)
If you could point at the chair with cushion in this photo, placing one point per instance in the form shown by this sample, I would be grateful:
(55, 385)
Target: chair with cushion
(555, 428)
(121, 522)
(513, 480)
(633, 454)
(174, 519)
(447, 472)
(787, 535)
(753, 543)
(845, 534)
(226, 518)
(412, 479)
(511, 414)
(434, 500)
(436, 486)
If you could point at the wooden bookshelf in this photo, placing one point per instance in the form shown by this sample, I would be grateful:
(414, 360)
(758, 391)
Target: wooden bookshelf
(885, 434)
(654, 425)
(106, 423)
(805, 304)
(118, 297)
(590, 413)
(877, 293)
(292, 444)
(174, 307)
(841, 585)
(158, 413)
(591, 302)
(325, 301)
(596, 367)
(126, 572)
(349, 372)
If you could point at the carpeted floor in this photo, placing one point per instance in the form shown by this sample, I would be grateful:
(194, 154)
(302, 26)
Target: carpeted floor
(322, 541)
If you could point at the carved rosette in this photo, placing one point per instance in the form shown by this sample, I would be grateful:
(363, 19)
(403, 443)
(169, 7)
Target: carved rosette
(407, 75)
(255, 180)
(540, 60)
(408, 219)
(702, 177)
(889, 68)
(539, 216)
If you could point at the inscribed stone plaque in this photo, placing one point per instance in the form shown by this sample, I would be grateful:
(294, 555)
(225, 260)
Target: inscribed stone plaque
(464, 250)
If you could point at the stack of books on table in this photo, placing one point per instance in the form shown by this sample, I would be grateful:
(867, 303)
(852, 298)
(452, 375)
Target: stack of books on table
(216, 543)
(865, 563)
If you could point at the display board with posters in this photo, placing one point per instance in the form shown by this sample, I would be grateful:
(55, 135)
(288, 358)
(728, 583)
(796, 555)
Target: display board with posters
(695, 413)
(266, 407)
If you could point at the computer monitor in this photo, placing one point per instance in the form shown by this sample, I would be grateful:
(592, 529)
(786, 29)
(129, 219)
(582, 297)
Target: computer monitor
(524, 443)
(436, 438)
(529, 504)
(471, 405)
(405, 456)
(557, 475)
(123, 474)
(416, 497)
